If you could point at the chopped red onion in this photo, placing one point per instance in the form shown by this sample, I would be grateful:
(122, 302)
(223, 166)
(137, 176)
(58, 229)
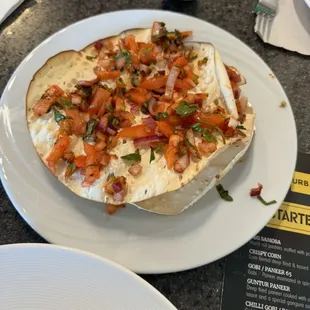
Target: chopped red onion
(243, 104)
(120, 63)
(98, 45)
(119, 196)
(111, 131)
(133, 107)
(87, 83)
(151, 106)
(145, 141)
(149, 122)
(117, 187)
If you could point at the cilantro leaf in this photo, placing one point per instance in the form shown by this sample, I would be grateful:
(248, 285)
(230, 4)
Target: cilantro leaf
(133, 156)
(152, 157)
(204, 132)
(188, 143)
(263, 201)
(90, 128)
(202, 61)
(58, 116)
(162, 115)
(216, 128)
(241, 127)
(185, 109)
(66, 103)
(223, 193)
(124, 54)
(145, 107)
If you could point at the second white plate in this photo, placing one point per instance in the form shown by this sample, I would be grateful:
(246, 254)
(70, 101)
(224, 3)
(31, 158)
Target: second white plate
(38, 276)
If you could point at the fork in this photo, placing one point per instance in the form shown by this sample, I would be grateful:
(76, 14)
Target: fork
(266, 8)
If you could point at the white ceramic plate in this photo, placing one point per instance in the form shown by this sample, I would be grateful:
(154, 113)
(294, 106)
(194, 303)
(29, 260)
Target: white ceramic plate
(36, 277)
(138, 240)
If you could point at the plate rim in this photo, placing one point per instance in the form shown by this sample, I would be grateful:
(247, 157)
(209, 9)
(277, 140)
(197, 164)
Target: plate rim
(158, 270)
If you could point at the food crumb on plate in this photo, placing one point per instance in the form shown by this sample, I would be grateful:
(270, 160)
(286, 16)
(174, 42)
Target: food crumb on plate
(283, 104)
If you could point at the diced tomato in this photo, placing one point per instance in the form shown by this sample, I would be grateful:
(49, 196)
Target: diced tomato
(185, 34)
(171, 156)
(179, 62)
(119, 104)
(134, 60)
(191, 119)
(80, 161)
(108, 75)
(233, 74)
(146, 54)
(165, 128)
(112, 144)
(78, 125)
(215, 119)
(182, 85)
(137, 96)
(54, 90)
(138, 131)
(61, 145)
(99, 98)
(174, 120)
(130, 43)
(161, 106)
(154, 83)
(111, 209)
(236, 90)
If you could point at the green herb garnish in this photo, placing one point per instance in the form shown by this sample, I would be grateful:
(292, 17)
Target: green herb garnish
(158, 147)
(110, 108)
(202, 61)
(66, 103)
(204, 132)
(121, 81)
(124, 54)
(58, 116)
(145, 107)
(223, 193)
(162, 115)
(146, 50)
(70, 169)
(152, 157)
(216, 102)
(90, 128)
(216, 128)
(188, 143)
(185, 109)
(91, 57)
(133, 156)
(283, 104)
(114, 122)
(136, 80)
(195, 79)
(155, 38)
(262, 200)
(241, 127)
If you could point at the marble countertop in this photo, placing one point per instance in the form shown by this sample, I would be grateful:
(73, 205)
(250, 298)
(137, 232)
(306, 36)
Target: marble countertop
(35, 20)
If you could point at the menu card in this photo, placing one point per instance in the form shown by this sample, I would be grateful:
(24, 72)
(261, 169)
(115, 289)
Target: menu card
(272, 271)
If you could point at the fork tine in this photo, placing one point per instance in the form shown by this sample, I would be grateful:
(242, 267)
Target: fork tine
(266, 7)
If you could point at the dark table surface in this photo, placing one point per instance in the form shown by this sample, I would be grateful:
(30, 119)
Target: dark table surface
(35, 20)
